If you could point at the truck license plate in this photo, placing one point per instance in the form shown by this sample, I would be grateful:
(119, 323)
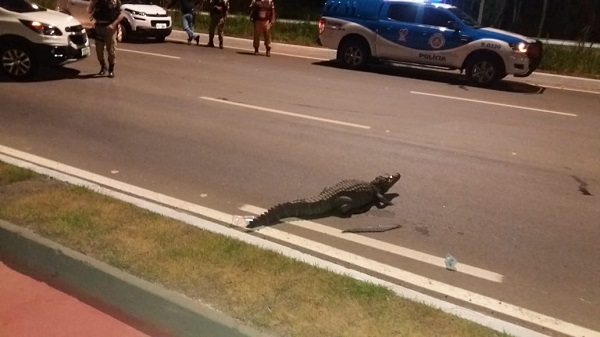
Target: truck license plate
(85, 51)
(161, 25)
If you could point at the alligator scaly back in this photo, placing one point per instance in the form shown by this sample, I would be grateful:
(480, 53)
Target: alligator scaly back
(346, 197)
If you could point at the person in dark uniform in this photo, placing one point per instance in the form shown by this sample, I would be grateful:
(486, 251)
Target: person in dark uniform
(188, 17)
(218, 13)
(107, 14)
(262, 14)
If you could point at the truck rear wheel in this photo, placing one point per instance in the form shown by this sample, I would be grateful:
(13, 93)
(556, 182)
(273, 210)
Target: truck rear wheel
(482, 71)
(353, 54)
(18, 61)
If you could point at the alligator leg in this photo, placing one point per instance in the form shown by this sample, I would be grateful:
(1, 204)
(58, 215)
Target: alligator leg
(382, 201)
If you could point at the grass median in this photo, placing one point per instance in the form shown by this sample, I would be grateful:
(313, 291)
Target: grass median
(259, 287)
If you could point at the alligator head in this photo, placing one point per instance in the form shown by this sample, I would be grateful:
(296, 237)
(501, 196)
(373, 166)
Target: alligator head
(385, 182)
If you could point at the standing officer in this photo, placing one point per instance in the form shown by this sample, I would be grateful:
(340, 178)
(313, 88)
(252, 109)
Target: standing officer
(188, 17)
(107, 14)
(262, 13)
(218, 13)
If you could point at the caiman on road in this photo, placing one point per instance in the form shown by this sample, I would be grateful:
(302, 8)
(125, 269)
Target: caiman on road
(344, 198)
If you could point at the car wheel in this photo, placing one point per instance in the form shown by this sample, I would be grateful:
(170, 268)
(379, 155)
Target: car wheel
(353, 54)
(18, 61)
(122, 32)
(483, 72)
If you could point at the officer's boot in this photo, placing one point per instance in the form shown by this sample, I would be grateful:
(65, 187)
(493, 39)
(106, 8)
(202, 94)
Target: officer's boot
(111, 70)
(268, 51)
(102, 71)
(220, 43)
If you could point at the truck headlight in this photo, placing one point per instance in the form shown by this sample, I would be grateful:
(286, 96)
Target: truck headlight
(42, 28)
(520, 47)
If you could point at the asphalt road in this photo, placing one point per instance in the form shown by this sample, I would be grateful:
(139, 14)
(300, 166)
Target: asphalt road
(504, 179)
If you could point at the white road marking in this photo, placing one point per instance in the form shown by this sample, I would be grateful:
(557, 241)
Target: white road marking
(384, 246)
(140, 197)
(146, 53)
(493, 103)
(286, 113)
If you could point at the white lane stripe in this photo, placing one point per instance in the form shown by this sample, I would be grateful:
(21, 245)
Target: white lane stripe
(491, 304)
(488, 303)
(384, 246)
(281, 112)
(493, 103)
(474, 316)
(146, 53)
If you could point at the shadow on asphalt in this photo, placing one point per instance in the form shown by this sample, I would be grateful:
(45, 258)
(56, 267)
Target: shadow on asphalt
(47, 74)
(454, 79)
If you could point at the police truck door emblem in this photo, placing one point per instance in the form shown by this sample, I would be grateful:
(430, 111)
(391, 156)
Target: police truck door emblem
(437, 41)
(403, 34)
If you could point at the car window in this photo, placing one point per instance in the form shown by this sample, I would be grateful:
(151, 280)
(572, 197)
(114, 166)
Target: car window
(464, 17)
(20, 6)
(436, 17)
(403, 12)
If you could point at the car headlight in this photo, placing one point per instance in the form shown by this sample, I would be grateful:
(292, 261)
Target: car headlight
(520, 47)
(42, 28)
(136, 12)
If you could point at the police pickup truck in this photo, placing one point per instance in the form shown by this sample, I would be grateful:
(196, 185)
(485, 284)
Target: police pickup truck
(425, 33)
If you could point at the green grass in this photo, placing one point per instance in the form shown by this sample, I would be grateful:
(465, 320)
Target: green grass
(576, 61)
(262, 288)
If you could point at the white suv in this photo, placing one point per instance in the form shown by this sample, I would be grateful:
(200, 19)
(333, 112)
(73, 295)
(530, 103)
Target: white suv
(142, 18)
(32, 36)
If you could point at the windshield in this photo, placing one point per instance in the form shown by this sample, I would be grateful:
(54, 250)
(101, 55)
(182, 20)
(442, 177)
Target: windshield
(20, 6)
(137, 2)
(464, 17)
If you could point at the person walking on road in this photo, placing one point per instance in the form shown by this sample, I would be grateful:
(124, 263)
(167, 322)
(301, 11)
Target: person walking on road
(262, 14)
(218, 13)
(107, 14)
(188, 17)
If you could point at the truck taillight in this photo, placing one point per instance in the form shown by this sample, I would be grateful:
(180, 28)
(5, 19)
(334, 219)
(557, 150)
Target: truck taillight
(321, 26)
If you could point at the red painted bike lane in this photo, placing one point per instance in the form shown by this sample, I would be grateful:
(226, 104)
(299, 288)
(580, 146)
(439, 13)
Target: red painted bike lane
(30, 308)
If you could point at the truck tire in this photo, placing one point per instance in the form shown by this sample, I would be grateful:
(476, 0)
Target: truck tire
(18, 61)
(353, 54)
(482, 71)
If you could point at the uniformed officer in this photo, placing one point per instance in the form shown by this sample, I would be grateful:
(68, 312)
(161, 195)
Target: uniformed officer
(218, 13)
(262, 13)
(107, 14)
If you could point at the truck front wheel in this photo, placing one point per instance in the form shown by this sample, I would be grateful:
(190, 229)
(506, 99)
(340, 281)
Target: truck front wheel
(483, 72)
(353, 54)
(18, 61)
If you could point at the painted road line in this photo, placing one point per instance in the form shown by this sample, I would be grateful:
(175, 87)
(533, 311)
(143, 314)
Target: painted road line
(286, 113)
(496, 104)
(146, 53)
(466, 296)
(385, 247)
(146, 203)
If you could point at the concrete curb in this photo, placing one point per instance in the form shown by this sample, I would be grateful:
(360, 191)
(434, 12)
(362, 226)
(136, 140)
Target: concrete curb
(136, 298)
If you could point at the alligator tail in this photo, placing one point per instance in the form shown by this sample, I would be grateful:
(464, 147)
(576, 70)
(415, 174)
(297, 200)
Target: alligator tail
(296, 209)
